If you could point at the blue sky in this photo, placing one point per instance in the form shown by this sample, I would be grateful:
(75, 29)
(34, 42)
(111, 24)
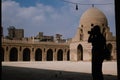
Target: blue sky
(50, 16)
(28, 3)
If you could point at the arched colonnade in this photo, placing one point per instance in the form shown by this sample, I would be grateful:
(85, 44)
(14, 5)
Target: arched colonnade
(19, 53)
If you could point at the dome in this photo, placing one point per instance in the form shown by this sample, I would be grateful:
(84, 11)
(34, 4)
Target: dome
(93, 16)
(90, 18)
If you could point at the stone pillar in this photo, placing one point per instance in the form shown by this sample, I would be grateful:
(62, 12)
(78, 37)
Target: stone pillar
(6, 55)
(20, 56)
(73, 52)
(7, 52)
(65, 55)
(54, 56)
(44, 55)
(73, 55)
(32, 54)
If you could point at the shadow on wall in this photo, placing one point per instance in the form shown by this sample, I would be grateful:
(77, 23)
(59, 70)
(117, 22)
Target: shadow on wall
(20, 73)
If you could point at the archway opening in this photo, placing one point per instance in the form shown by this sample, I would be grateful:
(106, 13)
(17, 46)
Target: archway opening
(60, 55)
(26, 54)
(38, 55)
(50, 55)
(68, 55)
(109, 46)
(2, 54)
(13, 54)
(80, 52)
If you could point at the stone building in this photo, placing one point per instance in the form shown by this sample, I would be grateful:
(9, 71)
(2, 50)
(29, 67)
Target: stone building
(14, 33)
(80, 49)
(44, 38)
(76, 49)
(25, 50)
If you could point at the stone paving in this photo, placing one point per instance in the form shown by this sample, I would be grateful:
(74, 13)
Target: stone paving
(55, 70)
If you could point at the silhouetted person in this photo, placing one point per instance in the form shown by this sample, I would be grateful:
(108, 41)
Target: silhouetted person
(98, 43)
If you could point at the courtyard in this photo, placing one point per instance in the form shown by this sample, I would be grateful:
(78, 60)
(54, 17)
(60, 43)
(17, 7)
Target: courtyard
(55, 70)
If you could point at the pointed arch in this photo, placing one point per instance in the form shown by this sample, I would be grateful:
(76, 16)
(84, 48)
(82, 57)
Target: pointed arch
(68, 55)
(49, 55)
(26, 54)
(109, 46)
(2, 54)
(80, 52)
(60, 55)
(104, 32)
(38, 55)
(13, 54)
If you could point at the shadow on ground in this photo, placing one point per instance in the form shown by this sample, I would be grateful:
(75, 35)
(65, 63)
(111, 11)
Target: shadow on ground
(21, 73)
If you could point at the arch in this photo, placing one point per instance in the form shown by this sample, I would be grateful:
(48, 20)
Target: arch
(68, 55)
(49, 55)
(80, 52)
(104, 32)
(13, 54)
(60, 55)
(38, 55)
(81, 34)
(26, 54)
(2, 54)
(109, 46)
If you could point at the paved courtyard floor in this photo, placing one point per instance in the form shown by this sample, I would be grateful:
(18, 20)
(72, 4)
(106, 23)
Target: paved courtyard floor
(55, 70)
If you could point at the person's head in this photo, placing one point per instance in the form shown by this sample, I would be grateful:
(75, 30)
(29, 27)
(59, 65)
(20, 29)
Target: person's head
(95, 30)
